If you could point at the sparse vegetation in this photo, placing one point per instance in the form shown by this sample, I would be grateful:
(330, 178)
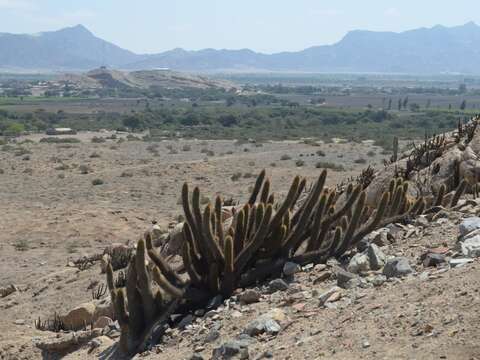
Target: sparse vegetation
(329, 165)
(96, 182)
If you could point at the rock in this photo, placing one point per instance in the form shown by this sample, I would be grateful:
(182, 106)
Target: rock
(432, 259)
(468, 225)
(237, 349)
(103, 307)
(322, 277)
(263, 324)
(187, 320)
(379, 237)
(343, 277)
(213, 335)
(214, 302)
(378, 280)
(5, 291)
(397, 267)
(267, 323)
(249, 296)
(365, 344)
(363, 244)
(80, 316)
(173, 244)
(323, 298)
(358, 263)
(102, 322)
(459, 262)
(157, 231)
(63, 341)
(196, 357)
(422, 221)
(277, 315)
(277, 285)
(471, 247)
(319, 267)
(19, 322)
(376, 257)
(104, 261)
(291, 268)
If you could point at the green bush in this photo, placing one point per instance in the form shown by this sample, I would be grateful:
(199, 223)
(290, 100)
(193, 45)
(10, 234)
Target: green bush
(96, 182)
(329, 165)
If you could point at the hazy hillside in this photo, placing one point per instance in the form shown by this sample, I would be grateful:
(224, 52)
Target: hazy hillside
(145, 79)
(73, 48)
(435, 50)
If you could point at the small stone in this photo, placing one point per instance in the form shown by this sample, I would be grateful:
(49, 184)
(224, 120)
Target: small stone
(230, 349)
(323, 298)
(376, 257)
(263, 324)
(471, 247)
(249, 296)
(199, 312)
(196, 356)
(267, 323)
(459, 262)
(358, 263)
(365, 344)
(468, 225)
(95, 343)
(378, 280)
(322, 277)
(214, 302)
(334, 297)
(212, 336)
(277, 285)
(422, 221)
(19, 322)
(397, 267)
(343, 277)
(432, 259)
(187, 320)
(290, 268)
(319, 267)
(102, 322)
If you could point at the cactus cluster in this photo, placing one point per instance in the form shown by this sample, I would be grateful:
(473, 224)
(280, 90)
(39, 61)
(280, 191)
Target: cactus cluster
(220, 255)
(150, 295)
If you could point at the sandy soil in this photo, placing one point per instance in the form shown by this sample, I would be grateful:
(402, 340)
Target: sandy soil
(52, 214)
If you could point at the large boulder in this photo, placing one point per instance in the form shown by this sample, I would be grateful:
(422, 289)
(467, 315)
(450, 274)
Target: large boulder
(87, 313)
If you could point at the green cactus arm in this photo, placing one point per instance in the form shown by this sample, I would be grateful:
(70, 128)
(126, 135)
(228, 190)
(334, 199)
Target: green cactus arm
(257, 187)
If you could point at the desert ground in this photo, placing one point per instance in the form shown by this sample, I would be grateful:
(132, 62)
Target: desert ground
(53, 214)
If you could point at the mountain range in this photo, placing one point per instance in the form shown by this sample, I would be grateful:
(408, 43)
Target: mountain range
(433, 50)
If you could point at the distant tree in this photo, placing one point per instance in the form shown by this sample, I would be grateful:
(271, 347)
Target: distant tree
(429, 103)
(14, 129)
(390, 104)
(462, 88)
(228, 120)
(399, 104)
(449, 106)
(405, 102)
(463, 105)
(133, 122)
(414, 107)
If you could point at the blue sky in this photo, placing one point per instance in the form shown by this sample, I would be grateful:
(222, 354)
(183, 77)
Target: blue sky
(148, 26)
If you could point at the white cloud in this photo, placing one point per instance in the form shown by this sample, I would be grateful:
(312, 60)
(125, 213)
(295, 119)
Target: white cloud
(392, 12)
(18, 5)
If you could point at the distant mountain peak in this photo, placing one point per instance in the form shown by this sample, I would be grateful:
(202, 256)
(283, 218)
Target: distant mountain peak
(437, 49)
